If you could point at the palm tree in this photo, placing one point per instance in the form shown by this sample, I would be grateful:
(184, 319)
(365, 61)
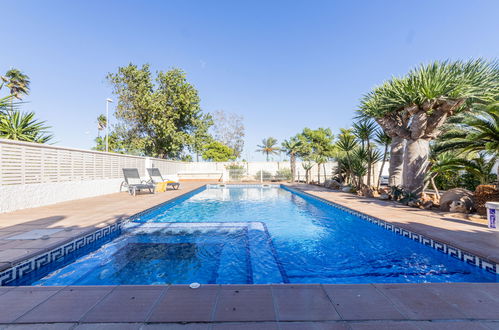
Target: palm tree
(268, 147)
(416, 106)
(292, 147)
(20, 126)
(319, 160)
(101, 124)
(476, 131)
(346, 144)
(17, 82)
(480, 167)
(364, 130)
(307, 166)
(383, 140)
(440, 164)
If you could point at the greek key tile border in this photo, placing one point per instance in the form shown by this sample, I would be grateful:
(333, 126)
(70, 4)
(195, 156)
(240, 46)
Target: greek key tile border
(27, 266)
(452, 251)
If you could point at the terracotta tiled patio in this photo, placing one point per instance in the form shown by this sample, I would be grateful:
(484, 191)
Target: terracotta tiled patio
(363, 306)
(366, 306)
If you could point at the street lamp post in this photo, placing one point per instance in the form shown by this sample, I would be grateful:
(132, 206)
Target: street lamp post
(107, 123)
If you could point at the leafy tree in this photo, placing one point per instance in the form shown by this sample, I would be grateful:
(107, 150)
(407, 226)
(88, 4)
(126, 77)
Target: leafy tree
(16, 125)
(218, 152)
(228, 128)
(115, 143)
(416, 106)
(161, 114)
(201, 136)
(268, 147)
(320, 145)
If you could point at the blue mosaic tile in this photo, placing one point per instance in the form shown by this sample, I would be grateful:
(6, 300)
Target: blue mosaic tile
(441, 247)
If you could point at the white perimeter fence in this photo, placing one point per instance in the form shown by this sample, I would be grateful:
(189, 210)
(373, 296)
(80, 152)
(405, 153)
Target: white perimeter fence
(34, 174)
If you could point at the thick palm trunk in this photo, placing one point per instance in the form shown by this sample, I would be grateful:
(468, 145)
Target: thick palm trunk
(369, 164)
(292, 164)
(415, 165)
(396, 161)
(318, 173)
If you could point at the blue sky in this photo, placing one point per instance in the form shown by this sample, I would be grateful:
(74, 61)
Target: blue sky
(283, 65)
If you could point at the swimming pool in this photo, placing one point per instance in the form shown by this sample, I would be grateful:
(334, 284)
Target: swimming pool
(257, 234)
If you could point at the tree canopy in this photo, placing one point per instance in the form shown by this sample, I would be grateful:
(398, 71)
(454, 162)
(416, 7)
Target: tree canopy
(228, 128)
(417, 105)
(413, 109)
(160, 114)
(218, 152)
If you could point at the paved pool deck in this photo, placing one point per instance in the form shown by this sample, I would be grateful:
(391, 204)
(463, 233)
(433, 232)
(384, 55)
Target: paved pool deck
(286, 306)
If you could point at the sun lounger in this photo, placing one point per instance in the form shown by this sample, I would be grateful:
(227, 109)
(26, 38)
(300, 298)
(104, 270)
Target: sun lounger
(156, 177)
(133, 182)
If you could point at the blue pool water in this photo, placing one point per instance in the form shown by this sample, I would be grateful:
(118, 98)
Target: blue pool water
(258, 235)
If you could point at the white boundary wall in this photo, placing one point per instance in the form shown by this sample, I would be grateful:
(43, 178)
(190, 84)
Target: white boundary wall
(33, 174)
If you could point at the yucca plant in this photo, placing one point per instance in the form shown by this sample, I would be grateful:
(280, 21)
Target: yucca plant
(16, 125)
(416, 106)
(4, 104)
(358, 165)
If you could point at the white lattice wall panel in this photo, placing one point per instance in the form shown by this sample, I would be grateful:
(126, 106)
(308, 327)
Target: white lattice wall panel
(29, 163)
